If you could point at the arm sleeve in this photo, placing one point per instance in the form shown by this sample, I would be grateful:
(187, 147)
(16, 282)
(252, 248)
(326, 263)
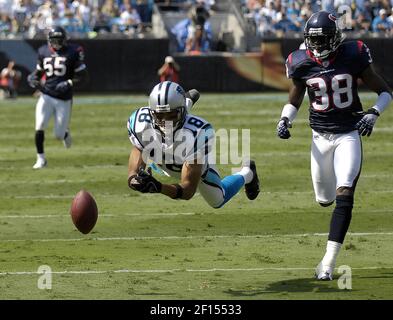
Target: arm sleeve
(131, 132)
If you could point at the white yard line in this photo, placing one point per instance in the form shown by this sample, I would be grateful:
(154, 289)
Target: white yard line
(54, 196)
(101, 215)
(147, 215)
(180, 270)
(296, 235)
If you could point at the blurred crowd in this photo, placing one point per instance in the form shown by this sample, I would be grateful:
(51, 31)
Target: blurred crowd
(288, 17)
(80, 18)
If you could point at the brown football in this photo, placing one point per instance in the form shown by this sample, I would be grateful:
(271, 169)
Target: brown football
(84, 212)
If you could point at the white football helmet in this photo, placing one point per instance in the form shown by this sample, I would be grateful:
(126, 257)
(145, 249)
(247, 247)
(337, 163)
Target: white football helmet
(167, 103)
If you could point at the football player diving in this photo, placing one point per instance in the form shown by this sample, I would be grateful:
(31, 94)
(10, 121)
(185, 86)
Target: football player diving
(329, 69)
(60, 67)
(179, 144)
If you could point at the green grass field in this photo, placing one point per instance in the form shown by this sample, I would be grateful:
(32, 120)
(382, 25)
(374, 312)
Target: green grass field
(151, 247)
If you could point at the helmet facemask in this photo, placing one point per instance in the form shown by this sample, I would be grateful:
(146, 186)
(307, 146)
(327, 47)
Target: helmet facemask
(168, 121)
(57, 43)
(322, 43)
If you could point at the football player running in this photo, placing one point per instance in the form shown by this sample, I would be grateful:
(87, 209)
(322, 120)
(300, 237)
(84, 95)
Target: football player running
(329, 69)
(179, 144)
(60, 67)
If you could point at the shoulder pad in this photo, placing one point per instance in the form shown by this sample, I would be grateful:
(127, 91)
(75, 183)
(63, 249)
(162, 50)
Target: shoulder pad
(137, 123)
(294, 63)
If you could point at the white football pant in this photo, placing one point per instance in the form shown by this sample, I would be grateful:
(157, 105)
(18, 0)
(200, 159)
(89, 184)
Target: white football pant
(61, 109)
(210, 188)
(336, 161)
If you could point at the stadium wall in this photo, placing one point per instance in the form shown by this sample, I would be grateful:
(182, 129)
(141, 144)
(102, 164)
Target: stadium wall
(131, 65)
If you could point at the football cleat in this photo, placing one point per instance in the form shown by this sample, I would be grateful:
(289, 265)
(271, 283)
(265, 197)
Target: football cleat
(67, 140)
(40, 163)
(324, 276)
(252, 188)
(324, 273)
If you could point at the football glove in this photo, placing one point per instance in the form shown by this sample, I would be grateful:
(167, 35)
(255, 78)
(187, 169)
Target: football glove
(282, 128)
(366, 124)
(144, 182)
(33, 80)
(63, 86)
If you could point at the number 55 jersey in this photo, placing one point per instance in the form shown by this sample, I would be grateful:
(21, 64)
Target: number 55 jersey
(332, 85)
(59, 66)
(192, 142)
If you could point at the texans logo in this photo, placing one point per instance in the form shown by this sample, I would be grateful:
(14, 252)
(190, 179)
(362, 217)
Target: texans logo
(332, 17)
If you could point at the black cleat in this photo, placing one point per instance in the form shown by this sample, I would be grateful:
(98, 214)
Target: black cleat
(194, 95)
(252, 188)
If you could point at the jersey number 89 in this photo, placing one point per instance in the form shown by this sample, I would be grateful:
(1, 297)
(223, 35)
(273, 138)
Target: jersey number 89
(341, 85)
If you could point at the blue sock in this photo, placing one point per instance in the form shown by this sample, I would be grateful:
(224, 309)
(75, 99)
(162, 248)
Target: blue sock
(232, 184)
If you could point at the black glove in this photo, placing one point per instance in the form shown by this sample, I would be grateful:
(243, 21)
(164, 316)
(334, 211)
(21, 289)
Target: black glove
(366, 124)
(144, 182)
(282, 128)
(33, 80)
(63, 86)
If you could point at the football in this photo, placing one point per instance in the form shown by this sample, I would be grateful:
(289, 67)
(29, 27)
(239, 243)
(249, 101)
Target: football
(84, 212)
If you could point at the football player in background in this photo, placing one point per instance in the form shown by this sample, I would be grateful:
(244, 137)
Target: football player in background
(62, 67)
(329, 69)
(180, 143)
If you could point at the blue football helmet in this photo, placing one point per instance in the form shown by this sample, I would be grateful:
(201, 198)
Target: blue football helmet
(322, 36)
(57, 38)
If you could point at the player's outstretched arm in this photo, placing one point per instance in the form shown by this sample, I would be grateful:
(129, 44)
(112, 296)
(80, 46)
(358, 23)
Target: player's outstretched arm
(289, 111)
(135, 161)
(190, 177)
(377, 84)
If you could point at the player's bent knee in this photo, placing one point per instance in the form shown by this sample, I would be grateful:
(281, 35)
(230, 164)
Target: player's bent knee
(215, 203)
(218, 206)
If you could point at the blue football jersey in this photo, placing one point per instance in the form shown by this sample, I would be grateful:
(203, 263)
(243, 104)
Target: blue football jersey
(59, 66)
(332, 85)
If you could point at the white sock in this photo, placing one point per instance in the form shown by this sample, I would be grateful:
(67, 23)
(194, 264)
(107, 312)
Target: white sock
(246, 173)
(332, 250)
(41, 156)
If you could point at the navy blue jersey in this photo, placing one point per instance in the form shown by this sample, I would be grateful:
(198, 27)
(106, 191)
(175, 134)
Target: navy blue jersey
(59, 66)
(332, 87)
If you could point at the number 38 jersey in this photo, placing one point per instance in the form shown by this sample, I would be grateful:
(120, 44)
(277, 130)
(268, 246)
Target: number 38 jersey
(192, 142)
(59, 66)
(332, 87)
